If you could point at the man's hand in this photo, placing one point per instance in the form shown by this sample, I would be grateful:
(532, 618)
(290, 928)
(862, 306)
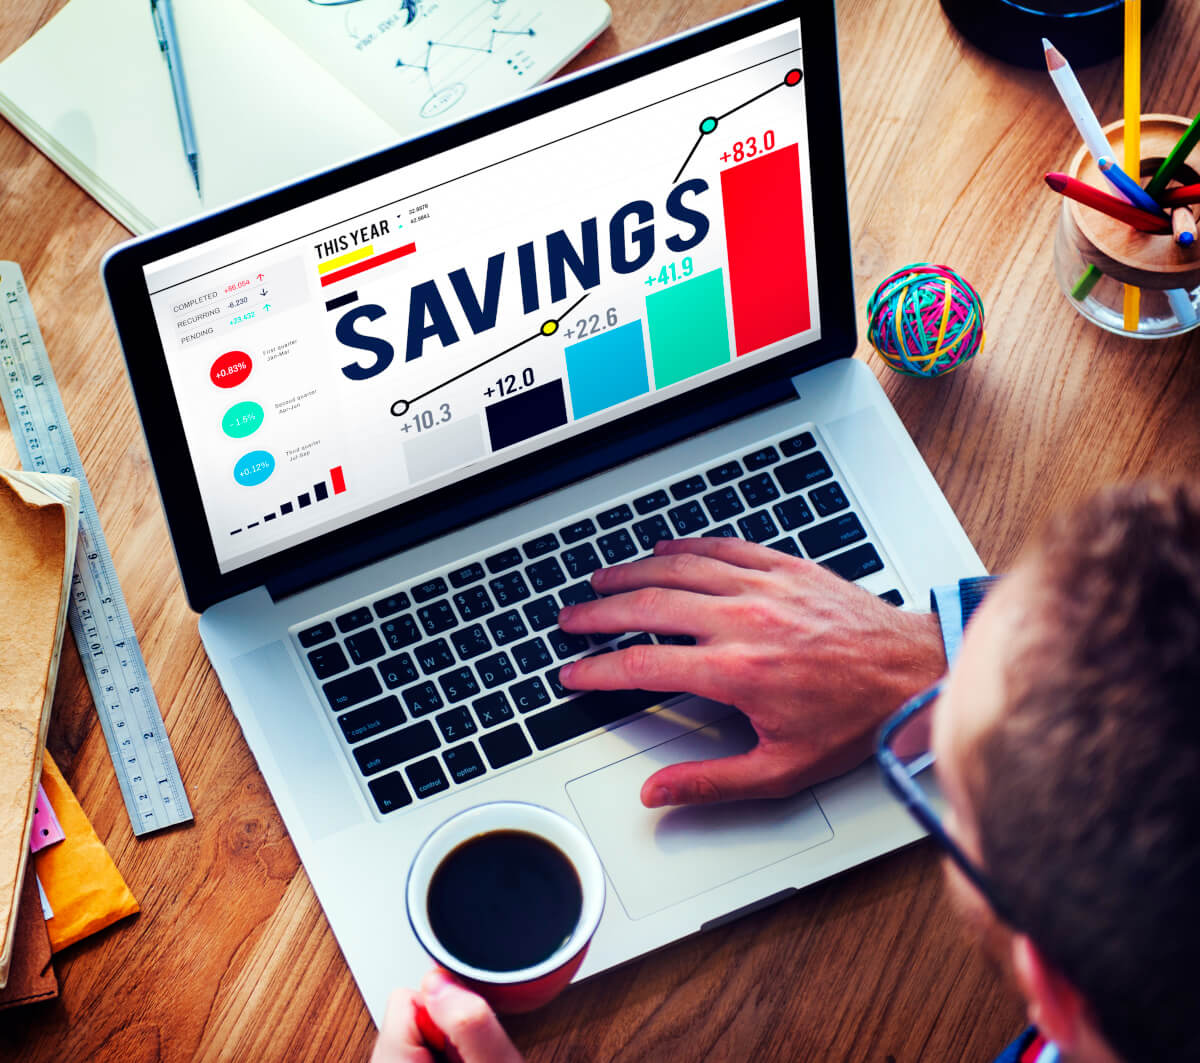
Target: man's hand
(815, 663)
(470, 1026)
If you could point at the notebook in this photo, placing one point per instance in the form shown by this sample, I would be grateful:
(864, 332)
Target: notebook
(399, 412)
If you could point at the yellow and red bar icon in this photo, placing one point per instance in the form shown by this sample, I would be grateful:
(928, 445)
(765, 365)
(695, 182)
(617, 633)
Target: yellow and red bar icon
(359, 261)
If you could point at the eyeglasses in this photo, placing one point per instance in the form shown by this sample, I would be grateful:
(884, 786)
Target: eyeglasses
(906, 758)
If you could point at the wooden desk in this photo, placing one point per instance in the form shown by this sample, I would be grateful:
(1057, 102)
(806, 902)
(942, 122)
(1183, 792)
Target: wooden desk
(231, 957)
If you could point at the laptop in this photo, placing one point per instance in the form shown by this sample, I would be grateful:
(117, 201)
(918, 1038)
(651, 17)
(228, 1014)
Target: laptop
(400, 410)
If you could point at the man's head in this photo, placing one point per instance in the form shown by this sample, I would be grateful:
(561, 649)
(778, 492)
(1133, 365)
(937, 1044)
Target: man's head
(1068, 743)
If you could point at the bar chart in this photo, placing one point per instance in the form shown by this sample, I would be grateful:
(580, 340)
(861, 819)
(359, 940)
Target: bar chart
(333, 484)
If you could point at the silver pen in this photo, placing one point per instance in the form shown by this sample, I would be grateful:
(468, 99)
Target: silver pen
(168, 41)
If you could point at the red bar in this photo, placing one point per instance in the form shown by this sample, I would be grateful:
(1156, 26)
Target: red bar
(368, 263)
(339, 481)
(764, 230)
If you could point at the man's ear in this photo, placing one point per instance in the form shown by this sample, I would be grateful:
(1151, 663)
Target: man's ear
(1056, 1007)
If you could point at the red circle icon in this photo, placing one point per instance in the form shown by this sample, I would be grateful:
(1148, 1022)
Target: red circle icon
(231, 369)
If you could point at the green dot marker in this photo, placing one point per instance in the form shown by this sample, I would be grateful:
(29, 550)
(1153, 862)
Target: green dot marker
(708, 125)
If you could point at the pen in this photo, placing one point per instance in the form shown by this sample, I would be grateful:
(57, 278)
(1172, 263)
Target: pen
(1077, 105)
(168, 41)
(1129, 188)
(1110, 205)
(1183, 224)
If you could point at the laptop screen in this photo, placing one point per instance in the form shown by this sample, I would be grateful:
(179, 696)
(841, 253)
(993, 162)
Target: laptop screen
(566, 271)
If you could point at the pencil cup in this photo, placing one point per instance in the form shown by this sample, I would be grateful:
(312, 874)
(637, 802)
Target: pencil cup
(1096, 256)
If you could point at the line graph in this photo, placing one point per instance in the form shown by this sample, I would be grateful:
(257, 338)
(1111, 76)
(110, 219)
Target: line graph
(486, 50)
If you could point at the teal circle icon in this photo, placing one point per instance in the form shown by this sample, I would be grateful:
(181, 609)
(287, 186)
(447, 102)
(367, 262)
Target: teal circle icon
(254, 468)
(242, 419)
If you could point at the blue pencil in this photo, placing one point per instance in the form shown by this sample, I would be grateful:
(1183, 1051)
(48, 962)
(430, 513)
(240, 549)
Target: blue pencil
(1128, 187)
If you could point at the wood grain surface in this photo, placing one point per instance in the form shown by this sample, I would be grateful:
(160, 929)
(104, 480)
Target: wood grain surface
(231, 957)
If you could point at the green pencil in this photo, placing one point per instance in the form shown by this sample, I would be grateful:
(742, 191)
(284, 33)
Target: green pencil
(1172, 162)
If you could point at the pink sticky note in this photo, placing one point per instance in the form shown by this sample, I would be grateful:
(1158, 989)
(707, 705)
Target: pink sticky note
(46, 828)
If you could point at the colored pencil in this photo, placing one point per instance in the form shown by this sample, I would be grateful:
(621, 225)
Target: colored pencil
(1133, 141)
(1180, 197)
(1076, 102)
(1129, 188)
(1175, 158)
(1183, 225)
(1092, 197)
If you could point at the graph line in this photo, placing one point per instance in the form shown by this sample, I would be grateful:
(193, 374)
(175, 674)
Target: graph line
(489, 50)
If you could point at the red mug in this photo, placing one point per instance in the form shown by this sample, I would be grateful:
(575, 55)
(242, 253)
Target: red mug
(526, 987)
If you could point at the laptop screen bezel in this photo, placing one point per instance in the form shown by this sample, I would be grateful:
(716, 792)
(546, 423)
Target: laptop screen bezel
(590, 451)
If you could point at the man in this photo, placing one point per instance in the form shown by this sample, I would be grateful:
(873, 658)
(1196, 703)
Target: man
(1067, 742)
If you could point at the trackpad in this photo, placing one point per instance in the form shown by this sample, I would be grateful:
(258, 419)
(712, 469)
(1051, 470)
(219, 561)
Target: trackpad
(659, 857)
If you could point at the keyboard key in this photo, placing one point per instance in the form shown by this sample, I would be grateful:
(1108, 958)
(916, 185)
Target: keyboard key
(327, 661)
(458, 685)
(356, 618)
(401, 632)
(828, 498)
(505, 746)
(786, 546)
(473, 602)
(422, 699)
(468, 574)
(457, 723)
(545, 575)
(651, 531)
(721, 531)
(832, 535)
(555, 684)
(578, 594)
(722, 474)
(505, 559)
(723, 504)
(397, 671)
(397, 747)
(493, 709)
(436, 617)
(616, 546)
(688, 518)
(392, 604)
(565, 644)
(793, 513)
(427, 777)
(371, 719)
(758, 527)
(540, 546)
(581, 529)
(893, 597)
(431, 588)
(610, 518)
(693, 485)
(463, 763)
(759, 490)
(495, 670)
(470, 642)
(803, 472)
(310, 636)
(855, 564)
(507, 627)
(351, 689)
(641, 639)
(531, 655)
(590, 711)
(760, 459)
(797, 444)
(581, 560)
(389, 792)
(541, 612)
(530, 694)
(365, 646)
(649, 503)
(509, 589)
(434, 656)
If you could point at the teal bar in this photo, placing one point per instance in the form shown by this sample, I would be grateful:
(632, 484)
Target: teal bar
(689, 329)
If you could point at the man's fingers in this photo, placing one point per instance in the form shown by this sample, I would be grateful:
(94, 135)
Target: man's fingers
(467, 1021)
(661, 668)
(664, 612)
(682, 570)
(732, 551)
(697, 782)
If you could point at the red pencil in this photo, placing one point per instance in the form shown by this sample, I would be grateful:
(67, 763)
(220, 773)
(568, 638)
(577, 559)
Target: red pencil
(1141, 220)
(1180, 197)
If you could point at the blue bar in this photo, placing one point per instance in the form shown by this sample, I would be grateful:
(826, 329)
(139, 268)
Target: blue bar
(607, 369)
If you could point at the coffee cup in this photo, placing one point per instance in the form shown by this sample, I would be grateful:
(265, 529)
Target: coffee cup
(506, 896)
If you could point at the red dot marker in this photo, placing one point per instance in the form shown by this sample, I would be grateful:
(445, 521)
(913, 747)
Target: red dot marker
(792, 78)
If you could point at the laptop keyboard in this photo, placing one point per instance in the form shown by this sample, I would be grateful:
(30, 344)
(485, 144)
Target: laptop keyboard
(440, 681)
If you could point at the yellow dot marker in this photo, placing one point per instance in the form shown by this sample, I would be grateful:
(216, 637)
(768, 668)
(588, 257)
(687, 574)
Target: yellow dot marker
(549, 328)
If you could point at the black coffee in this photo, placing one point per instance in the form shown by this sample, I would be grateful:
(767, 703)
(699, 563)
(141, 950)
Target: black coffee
(504, 901)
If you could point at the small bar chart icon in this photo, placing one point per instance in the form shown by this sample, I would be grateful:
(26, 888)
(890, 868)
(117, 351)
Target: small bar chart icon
(335, 483)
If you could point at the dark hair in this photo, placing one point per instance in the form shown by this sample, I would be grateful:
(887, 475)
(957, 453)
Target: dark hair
(1088, 797)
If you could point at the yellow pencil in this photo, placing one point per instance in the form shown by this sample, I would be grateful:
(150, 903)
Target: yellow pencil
(1133, 129)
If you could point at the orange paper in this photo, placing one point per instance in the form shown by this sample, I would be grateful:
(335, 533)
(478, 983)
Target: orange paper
(82, 884)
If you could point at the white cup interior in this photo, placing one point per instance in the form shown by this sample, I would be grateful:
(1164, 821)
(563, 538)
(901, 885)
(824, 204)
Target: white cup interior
(497, 816)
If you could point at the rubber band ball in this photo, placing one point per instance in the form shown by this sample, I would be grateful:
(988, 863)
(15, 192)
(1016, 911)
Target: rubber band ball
(925, 320)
